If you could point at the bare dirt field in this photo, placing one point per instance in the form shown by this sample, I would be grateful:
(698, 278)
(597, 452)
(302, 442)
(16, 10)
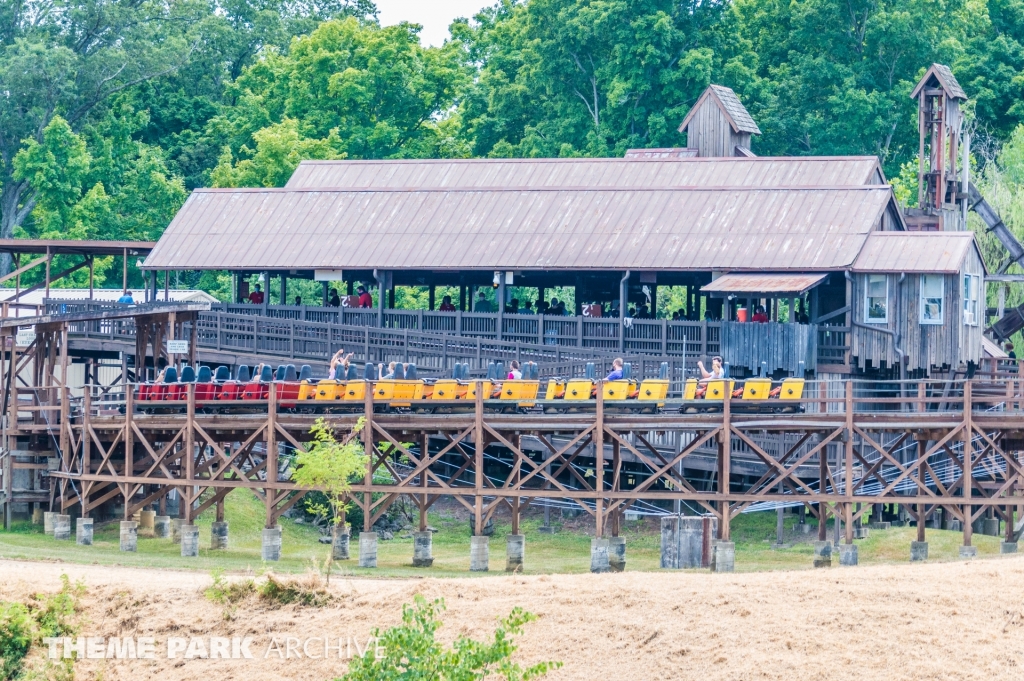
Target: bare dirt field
(933, 621)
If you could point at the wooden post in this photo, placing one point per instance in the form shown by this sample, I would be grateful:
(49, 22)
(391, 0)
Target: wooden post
(968, 458)
(724, 465)
(424, 457)
(91, 263)
(599, 462)
(369, 451)
(124, 272)
(848, 474)
(49, 260)
(271, 439)
(922, 451)
(516, 475)
(129, 443)
(190, 458)
(479, 444)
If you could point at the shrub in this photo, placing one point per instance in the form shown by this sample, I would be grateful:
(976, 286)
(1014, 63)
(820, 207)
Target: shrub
(410, 651)
(307, 590)
(17, 632)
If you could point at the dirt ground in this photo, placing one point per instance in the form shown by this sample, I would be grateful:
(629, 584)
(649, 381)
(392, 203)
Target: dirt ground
(932, 621)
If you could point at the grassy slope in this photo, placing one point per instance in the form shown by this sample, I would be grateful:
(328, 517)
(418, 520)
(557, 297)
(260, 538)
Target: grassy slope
(552, 553)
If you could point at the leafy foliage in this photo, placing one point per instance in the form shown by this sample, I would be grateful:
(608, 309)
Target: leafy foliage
(23, 625)
(412, 652)
(330, 466)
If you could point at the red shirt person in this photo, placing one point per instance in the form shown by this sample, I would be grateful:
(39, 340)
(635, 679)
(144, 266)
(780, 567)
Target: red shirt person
(256, 297)
(365, 299)
(760, 316)
(446, 304)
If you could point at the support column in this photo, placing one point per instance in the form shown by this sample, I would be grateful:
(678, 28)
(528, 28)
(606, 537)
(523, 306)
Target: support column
(83, 531)
(129, 536)
(848, 451)
(919, 548)
(515, 552)
(340, 539)
(422, 548)
(368, 539)
(270, 548)
(968, 551)
(190, 540)
(219, 529)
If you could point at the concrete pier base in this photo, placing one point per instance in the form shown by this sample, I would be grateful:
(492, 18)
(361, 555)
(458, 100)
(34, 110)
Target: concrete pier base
(822, 554)
(423, 548)
(367, 549)
(147, 520)
(670, 542)
(219, 535)
(599, 555)
(968, 551)
(37, 516)
(479, 553)
(860, 533)
(176, 524)
(162, 526)
(848, 554)
(62, 527)
(340, 535)
(83, 532)
(617, 553)
(129, 536)
(270, 549)
(918, 551)
(48, 517)
(682, 541)
(189, 538)
(1007, 547)
(991, 528)
(515, 552)
(723, 557)
(880, 525)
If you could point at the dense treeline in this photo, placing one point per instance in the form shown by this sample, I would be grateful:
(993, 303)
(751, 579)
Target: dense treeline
(112, 110)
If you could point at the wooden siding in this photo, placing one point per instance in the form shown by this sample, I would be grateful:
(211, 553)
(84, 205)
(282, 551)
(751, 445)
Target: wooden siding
(789, 347)
(926, 346)
(711, 134)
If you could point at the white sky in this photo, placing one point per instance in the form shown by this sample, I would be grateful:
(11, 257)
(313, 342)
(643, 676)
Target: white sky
(434, 15)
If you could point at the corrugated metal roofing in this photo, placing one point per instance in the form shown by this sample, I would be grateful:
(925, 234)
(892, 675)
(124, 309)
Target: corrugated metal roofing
(759, 282)
(929, 252)
(819, 171)
(683, 228)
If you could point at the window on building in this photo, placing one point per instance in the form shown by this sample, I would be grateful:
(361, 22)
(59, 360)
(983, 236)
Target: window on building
(876, 305)
(972, 313)
(931, 298)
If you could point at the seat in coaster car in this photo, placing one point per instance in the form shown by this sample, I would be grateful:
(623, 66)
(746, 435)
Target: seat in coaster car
(279, 374)
(204, 375)
(589, 371)
(242, 375)
(399, 374)
(492, 371)
(627, 371)
(370, 372)
(223, 374)
(267, 374)
(663, 371)
(352, 374)
(188, 375)
(305, 373)
(289, 373)
(171, 375)
(410, 372)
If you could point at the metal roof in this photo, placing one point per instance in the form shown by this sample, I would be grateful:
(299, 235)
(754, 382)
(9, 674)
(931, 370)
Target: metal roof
(944, 75)
(60, 246)
(729, 103)
(673, 229)
(759, 282)
(928, 252)
(622, 173)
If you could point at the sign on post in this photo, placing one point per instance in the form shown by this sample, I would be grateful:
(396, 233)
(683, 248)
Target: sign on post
(25, 337)
(177, 347)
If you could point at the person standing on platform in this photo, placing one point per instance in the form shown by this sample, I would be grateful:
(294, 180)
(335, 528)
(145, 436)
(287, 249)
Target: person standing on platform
(365, 299)
(446, 304)
(256, 297)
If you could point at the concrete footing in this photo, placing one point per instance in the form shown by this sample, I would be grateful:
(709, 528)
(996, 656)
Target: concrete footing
(479, 553)
(1007, 547)
(340, 536)
(860, 532)
(147, 520)
(515, 552)
(918, 551)
(176, 524)
(62, 527)
(189, 538)
(991, 528)
(968, 551)
(219, 535)
(37, 516)
(682, 540)
(723, 556)
(423, 548)
(48, 517)
(129, 536)
(83, 531)
(822, 554)
(879, 525)
(617, 553)
(955, 526)
(270, 549)
(367, 549)
(599, 555)
(848, 554)
(162, 526)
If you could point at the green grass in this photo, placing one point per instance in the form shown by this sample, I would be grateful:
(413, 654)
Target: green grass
(563, 552)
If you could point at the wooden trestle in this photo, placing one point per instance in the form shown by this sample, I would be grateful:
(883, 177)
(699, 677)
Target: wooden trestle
(207, 455)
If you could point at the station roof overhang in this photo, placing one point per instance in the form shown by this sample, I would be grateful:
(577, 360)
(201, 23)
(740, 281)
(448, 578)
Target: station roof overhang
(772, 285)
(69, 247)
